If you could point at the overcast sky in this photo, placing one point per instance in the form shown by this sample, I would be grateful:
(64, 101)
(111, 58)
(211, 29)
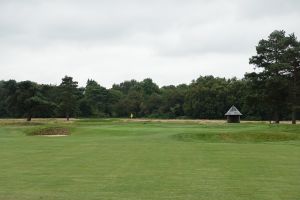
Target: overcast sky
(170, 41)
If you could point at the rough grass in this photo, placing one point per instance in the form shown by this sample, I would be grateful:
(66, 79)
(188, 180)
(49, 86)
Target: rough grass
(241, 133)
(50, 131)
(238, 137)
(35, 121)
(113, 159)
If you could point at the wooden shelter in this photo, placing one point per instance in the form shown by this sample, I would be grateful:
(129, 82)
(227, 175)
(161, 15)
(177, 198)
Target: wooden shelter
(233, 115)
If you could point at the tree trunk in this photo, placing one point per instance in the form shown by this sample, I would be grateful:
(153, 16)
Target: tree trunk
(277, 117)
(28, 118)
(68, 117)
(294, 96)
(294, 114)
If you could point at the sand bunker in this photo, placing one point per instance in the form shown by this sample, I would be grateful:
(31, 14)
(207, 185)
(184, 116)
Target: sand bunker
(53, 135)
(52, 132)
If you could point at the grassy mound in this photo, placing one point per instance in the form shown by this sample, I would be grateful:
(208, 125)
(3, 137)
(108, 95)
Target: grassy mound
(238, 137)
(51, 131)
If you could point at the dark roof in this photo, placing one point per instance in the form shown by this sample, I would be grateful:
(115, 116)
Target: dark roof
(233, 111)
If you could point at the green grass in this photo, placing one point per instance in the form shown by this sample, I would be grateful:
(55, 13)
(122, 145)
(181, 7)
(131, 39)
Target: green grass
(111, 159)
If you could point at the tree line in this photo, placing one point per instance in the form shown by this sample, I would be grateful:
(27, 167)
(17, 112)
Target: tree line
(272, 93)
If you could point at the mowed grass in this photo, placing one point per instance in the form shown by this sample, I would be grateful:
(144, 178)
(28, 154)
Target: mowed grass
(113, 159)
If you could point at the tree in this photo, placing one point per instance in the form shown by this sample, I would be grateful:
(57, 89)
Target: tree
(172, 101)
(3, 103)
(8, 98)
(207, 98)
(254, 98)
(96, 97)
(26, 99)
(293, 72)
(151, 105)
(271, 58)
(149, 87)
(127, 86)
(114, 96)
(131, 103)
(68, 96)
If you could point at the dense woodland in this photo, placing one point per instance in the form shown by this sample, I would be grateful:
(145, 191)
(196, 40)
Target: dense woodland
(270, 93)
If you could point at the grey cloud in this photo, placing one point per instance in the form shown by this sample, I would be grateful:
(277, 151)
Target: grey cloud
(268, 8)
(83, 20)
(163, 30)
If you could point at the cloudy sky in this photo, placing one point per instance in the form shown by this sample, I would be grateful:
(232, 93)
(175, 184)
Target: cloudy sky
(171, 41)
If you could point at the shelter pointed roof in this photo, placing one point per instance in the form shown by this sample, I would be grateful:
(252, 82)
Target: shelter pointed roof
(233, 111)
